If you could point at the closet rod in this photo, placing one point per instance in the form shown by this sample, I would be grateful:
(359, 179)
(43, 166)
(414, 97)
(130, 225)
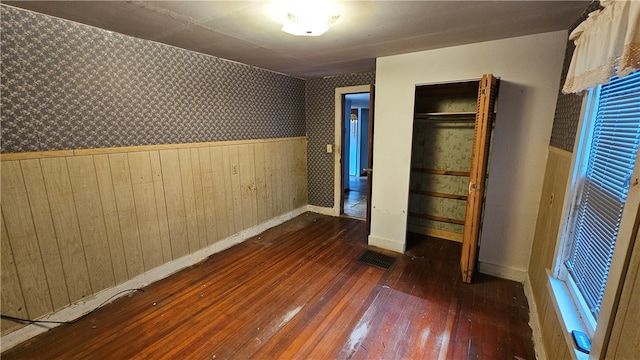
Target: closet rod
(446, 116)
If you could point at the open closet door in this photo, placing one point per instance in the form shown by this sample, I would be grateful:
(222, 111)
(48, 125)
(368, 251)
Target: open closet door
(369, 169)
(487, 93)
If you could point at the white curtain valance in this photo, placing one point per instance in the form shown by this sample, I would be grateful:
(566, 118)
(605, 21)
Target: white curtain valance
(607, 42)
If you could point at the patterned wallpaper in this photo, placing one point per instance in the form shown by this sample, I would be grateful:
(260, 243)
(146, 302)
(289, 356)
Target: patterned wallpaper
(67, 85)
(444, 146)
(320, 119)
(568, 106)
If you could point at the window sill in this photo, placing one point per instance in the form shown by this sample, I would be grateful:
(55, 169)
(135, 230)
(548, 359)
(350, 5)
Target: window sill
(567, 315)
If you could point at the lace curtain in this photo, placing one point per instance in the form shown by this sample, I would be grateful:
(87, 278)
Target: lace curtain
(607, 42)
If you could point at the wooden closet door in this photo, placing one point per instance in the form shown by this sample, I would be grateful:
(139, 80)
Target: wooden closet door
(487, 93)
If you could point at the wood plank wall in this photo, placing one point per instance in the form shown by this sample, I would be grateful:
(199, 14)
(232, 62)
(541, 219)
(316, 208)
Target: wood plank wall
(623, 343)
(543, 250)
(77, 224)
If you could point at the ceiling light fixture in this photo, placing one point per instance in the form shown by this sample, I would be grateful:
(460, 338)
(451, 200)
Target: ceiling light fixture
(308, 17)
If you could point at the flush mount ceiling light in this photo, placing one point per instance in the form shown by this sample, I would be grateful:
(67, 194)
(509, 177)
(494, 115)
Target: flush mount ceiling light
(307, 17)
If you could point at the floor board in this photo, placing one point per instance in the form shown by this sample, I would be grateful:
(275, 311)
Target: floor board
(297, 291)
(355, 200)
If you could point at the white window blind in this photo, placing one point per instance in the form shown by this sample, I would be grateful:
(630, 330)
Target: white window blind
(601, 198)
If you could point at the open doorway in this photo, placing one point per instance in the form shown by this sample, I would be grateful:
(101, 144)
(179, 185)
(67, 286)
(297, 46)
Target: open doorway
(355, 154)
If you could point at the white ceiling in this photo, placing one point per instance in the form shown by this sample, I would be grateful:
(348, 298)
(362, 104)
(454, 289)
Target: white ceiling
(245, 32)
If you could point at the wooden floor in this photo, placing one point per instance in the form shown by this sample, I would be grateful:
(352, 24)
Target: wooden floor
(298, 292)
(355, 200)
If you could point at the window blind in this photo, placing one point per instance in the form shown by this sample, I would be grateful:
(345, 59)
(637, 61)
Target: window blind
(601, 198)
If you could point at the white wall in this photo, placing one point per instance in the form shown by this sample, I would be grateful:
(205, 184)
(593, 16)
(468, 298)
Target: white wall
(529, 68)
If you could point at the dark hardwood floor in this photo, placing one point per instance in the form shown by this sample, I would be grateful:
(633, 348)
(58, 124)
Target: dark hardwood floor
(297, 291)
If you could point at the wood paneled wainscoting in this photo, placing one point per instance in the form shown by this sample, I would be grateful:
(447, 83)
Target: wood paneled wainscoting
(543, 252)
(298, 291)
(77, 222)
(553, 337)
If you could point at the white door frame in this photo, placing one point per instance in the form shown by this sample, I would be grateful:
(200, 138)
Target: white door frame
(337, 148)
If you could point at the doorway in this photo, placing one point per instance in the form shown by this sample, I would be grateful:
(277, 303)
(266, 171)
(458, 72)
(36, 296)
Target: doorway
(340, 155)
(355, 154)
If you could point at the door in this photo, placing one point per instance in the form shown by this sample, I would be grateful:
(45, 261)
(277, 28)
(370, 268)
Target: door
(487, 93)
(369, 168)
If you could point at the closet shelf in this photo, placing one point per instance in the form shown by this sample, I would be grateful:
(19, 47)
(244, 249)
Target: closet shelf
(440, 172)
(438, 194)
(436, 218)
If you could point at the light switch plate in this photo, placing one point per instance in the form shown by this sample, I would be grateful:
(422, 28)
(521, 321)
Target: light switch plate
(329, 148)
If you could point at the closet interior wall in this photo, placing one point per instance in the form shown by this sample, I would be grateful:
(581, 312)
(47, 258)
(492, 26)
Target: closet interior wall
(443, 129)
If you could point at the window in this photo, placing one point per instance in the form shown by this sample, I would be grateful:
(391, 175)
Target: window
(605, 167)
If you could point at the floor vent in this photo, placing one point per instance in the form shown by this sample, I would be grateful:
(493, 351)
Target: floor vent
(377, 259)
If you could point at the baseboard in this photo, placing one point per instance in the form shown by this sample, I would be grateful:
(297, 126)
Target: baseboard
(82, 307)
(534, 321)
(387, 244)
(322, 210)
(501, 271)
(441, 234)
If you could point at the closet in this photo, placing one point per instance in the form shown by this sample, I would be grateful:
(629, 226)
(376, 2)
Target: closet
(451, 142)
